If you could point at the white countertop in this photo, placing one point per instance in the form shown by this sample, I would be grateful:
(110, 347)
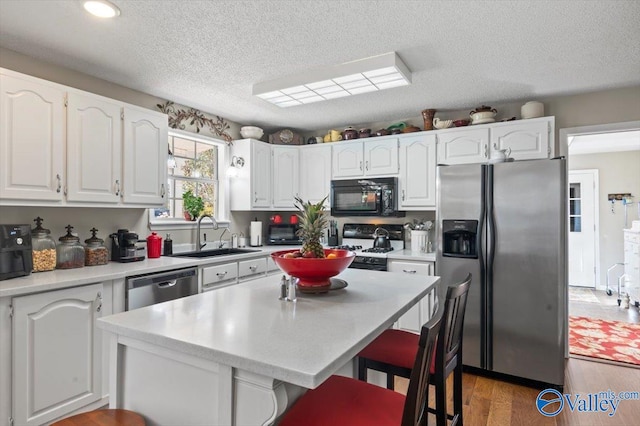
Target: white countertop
(407, 254)
(62, 278)
(247, 327)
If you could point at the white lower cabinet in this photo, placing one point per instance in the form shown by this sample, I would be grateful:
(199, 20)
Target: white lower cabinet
(219, 275)
(57, 353)
(421, 312)
(251, 269)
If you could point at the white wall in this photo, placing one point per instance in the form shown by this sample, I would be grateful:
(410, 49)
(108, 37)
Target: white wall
(619, 172)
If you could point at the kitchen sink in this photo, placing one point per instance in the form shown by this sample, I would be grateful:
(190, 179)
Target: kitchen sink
(214, 252)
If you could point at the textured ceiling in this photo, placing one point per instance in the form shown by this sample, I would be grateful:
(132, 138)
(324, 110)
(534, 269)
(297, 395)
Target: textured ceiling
(208, 54)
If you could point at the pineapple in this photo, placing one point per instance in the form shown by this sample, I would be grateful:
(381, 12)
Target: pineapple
(313, 222)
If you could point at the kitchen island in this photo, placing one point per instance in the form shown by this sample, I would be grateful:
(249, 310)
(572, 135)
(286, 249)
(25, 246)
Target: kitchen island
(238, 355)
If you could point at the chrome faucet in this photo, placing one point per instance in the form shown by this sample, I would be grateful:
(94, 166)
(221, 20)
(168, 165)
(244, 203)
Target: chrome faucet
(222, 243)
(215, 226)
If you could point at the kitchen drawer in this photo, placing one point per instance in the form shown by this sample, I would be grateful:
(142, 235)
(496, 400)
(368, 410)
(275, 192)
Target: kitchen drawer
(271, 265)
(408, 267)
(633, 237)
(219, 273)
(252, 267)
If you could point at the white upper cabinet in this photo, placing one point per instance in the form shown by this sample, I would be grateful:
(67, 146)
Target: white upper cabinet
(348, 160)
(31, 139)
(145, 146)
(527, 139)
(285, 176)
(115, 153)
(251, 186)
(94, 150)
(417, 182)
(260, 168)
(315, 172)
(375, 157)
(463, 146)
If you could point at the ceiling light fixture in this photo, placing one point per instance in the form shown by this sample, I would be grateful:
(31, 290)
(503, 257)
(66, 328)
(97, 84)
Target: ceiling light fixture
(351, 78)
(101, 8)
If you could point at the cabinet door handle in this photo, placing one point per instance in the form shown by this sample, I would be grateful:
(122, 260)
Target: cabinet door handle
(486, 148)
(255, 197)
(221, 274)
(59, 183)
(409, 271)
(361, 166)
(117, 187)
(253, 268)
(162, 191)
(99, 302)
(366, 165)
(403, 195)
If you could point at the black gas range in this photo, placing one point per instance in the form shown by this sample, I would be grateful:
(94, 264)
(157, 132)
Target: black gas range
(360, 238)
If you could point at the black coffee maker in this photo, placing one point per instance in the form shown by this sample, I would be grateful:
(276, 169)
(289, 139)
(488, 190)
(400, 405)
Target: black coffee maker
(16, 258)
(124, 247)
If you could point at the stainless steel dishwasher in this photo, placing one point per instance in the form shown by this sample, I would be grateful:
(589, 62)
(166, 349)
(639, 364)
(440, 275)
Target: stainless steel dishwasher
(145, 290)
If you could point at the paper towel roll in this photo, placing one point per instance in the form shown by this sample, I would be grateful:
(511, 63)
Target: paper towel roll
(256, 233)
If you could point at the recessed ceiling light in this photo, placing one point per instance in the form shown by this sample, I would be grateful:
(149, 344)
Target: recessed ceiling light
(353, 78)
(101, 8)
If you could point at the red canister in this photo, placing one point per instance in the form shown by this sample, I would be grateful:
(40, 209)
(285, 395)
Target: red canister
(154, 245)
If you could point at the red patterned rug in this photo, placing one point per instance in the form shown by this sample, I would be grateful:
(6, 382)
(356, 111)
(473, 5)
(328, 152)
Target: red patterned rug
(611, 340)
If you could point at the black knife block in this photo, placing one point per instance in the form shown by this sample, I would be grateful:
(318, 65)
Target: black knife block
(332, 240)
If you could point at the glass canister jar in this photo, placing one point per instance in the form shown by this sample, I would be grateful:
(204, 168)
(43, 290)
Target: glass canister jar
(70, 251)
(43, 248)
(95, 253)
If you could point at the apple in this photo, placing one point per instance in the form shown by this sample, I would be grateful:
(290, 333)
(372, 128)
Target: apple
(288, 255)
(309, 255)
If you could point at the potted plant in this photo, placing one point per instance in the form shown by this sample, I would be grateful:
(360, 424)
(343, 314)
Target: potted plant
(192, 205)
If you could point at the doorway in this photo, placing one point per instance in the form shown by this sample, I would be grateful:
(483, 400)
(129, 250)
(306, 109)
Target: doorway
(596, 169)
(583, 228)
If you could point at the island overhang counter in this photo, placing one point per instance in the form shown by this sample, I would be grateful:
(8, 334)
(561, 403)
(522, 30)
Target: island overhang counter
(238, 355)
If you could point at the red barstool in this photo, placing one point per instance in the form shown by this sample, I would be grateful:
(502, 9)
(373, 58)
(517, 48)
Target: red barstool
(344, 401)
(393, 351)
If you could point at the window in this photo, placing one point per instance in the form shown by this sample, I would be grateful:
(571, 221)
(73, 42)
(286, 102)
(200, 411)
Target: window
(194, 166)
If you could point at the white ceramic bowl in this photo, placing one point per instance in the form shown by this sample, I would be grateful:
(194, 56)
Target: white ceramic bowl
(442, 124)
(251, 132)
(482, 115)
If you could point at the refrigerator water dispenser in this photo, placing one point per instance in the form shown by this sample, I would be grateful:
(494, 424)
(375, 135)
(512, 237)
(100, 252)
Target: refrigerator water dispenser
(459, 238)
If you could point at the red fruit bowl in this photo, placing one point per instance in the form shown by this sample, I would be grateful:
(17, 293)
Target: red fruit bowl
(314, 272)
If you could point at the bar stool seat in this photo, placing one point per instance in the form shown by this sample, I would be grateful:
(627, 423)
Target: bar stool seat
(107, 417)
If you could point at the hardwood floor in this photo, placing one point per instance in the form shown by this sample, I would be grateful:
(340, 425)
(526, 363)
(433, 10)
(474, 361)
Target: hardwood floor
(496, 403)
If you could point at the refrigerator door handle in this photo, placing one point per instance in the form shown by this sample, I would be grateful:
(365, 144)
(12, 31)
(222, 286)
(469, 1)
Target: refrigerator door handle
(491, 253)
(480, 242)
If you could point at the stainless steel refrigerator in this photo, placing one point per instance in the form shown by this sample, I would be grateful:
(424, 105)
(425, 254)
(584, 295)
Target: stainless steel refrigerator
(506, 224)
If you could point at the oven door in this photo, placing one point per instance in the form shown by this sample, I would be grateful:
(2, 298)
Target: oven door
(349, 198)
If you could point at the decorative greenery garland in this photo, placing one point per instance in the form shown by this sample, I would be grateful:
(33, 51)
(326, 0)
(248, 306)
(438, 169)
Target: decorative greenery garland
(194, 117)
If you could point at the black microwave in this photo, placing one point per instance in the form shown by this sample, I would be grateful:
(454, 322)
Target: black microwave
(365, 197)
(283, 234)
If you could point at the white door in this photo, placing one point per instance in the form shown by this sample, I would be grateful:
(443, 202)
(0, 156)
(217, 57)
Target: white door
(145, 157)
(31, 140)
(417, 181)
(582, 228)
(315, 172)
(57, 353)
(381, 157)
(463, 146)
(94, 149)
(260, 174)
(286, 177)
(347, 160)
